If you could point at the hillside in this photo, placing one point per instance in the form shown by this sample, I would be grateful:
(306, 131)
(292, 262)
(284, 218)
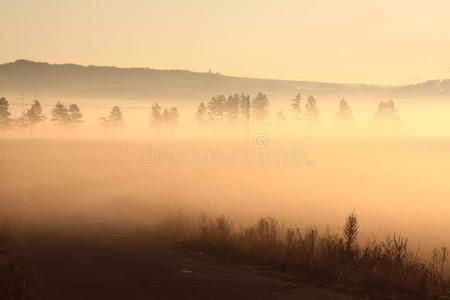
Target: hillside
(23, 76)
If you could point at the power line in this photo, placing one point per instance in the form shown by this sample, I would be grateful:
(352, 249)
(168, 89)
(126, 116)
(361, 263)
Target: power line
(84, 106)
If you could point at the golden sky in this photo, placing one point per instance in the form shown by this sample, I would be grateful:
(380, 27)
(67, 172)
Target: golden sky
(356, 41)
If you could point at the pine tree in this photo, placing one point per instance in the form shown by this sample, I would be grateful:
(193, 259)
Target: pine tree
(245, 109)
(344, 115)
(167, 119)
(311, 110)
(5, 120)
(232, 106)
(66, 117)
(296, 107)
(216, 108)
(34, 114)
(173, 117)
(60, 114)
(281, 118)
(115, 118)
(75, 116)
(201, 115)
(260, 107)
(155, 116)
(387, 113)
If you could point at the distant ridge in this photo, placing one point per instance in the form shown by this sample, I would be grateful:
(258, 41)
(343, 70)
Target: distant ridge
(71, 80)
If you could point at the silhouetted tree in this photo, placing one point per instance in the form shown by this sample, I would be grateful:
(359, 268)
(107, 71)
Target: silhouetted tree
(201, 116)
(281, 118)
(311, 111)
(387, 113)
(34, 114)
(155, 116)
(216, 108)
(60, 114)
(172, 122)
(5, 120)
(296, 107)
(31, 117)
(344, 115)
(232, 106)
(245, 109)
(75, 115)
(231, 110)
(66, 117)
(260, 107)
(167, 119)
(115, 118)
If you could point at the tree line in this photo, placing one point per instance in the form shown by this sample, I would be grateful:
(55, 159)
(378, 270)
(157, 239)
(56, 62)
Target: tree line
(241, 109)
(233, 110)
(62, 115)
(70, 116)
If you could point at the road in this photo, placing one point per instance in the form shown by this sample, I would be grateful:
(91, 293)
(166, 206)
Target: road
(104, 265)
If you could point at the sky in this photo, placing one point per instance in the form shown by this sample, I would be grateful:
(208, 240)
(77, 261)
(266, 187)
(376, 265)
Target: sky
(350, 41)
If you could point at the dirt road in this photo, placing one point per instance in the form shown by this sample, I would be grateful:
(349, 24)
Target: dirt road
(109, 265)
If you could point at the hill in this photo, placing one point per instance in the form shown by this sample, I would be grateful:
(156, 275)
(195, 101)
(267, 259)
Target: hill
(72, 80)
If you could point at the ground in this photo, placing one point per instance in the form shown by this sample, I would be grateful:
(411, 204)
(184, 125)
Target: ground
(118, 265)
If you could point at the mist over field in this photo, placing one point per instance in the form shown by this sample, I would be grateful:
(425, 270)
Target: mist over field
(301, 173)
(224, 150)
(394, 178)
(322, 178)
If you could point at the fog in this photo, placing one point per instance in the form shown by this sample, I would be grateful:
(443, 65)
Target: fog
(395, 179)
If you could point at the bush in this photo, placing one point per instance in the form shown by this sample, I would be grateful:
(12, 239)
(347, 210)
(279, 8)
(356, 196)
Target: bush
(386, 266)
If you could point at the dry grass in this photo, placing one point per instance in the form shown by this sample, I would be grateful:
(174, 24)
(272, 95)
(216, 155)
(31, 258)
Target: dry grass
(14, 281)
(387, 266)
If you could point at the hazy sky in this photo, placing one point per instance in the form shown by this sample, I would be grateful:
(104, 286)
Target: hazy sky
(383, 41)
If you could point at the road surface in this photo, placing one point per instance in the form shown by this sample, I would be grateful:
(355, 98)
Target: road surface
(106, 265)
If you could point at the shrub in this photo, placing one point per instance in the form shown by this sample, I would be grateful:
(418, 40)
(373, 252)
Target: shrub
(386, 266)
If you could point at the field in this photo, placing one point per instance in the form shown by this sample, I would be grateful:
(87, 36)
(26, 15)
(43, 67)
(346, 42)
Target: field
(395, 185)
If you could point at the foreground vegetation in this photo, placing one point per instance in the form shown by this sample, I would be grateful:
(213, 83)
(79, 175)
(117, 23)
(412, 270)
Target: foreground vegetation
(384, 267)
(14, 281)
